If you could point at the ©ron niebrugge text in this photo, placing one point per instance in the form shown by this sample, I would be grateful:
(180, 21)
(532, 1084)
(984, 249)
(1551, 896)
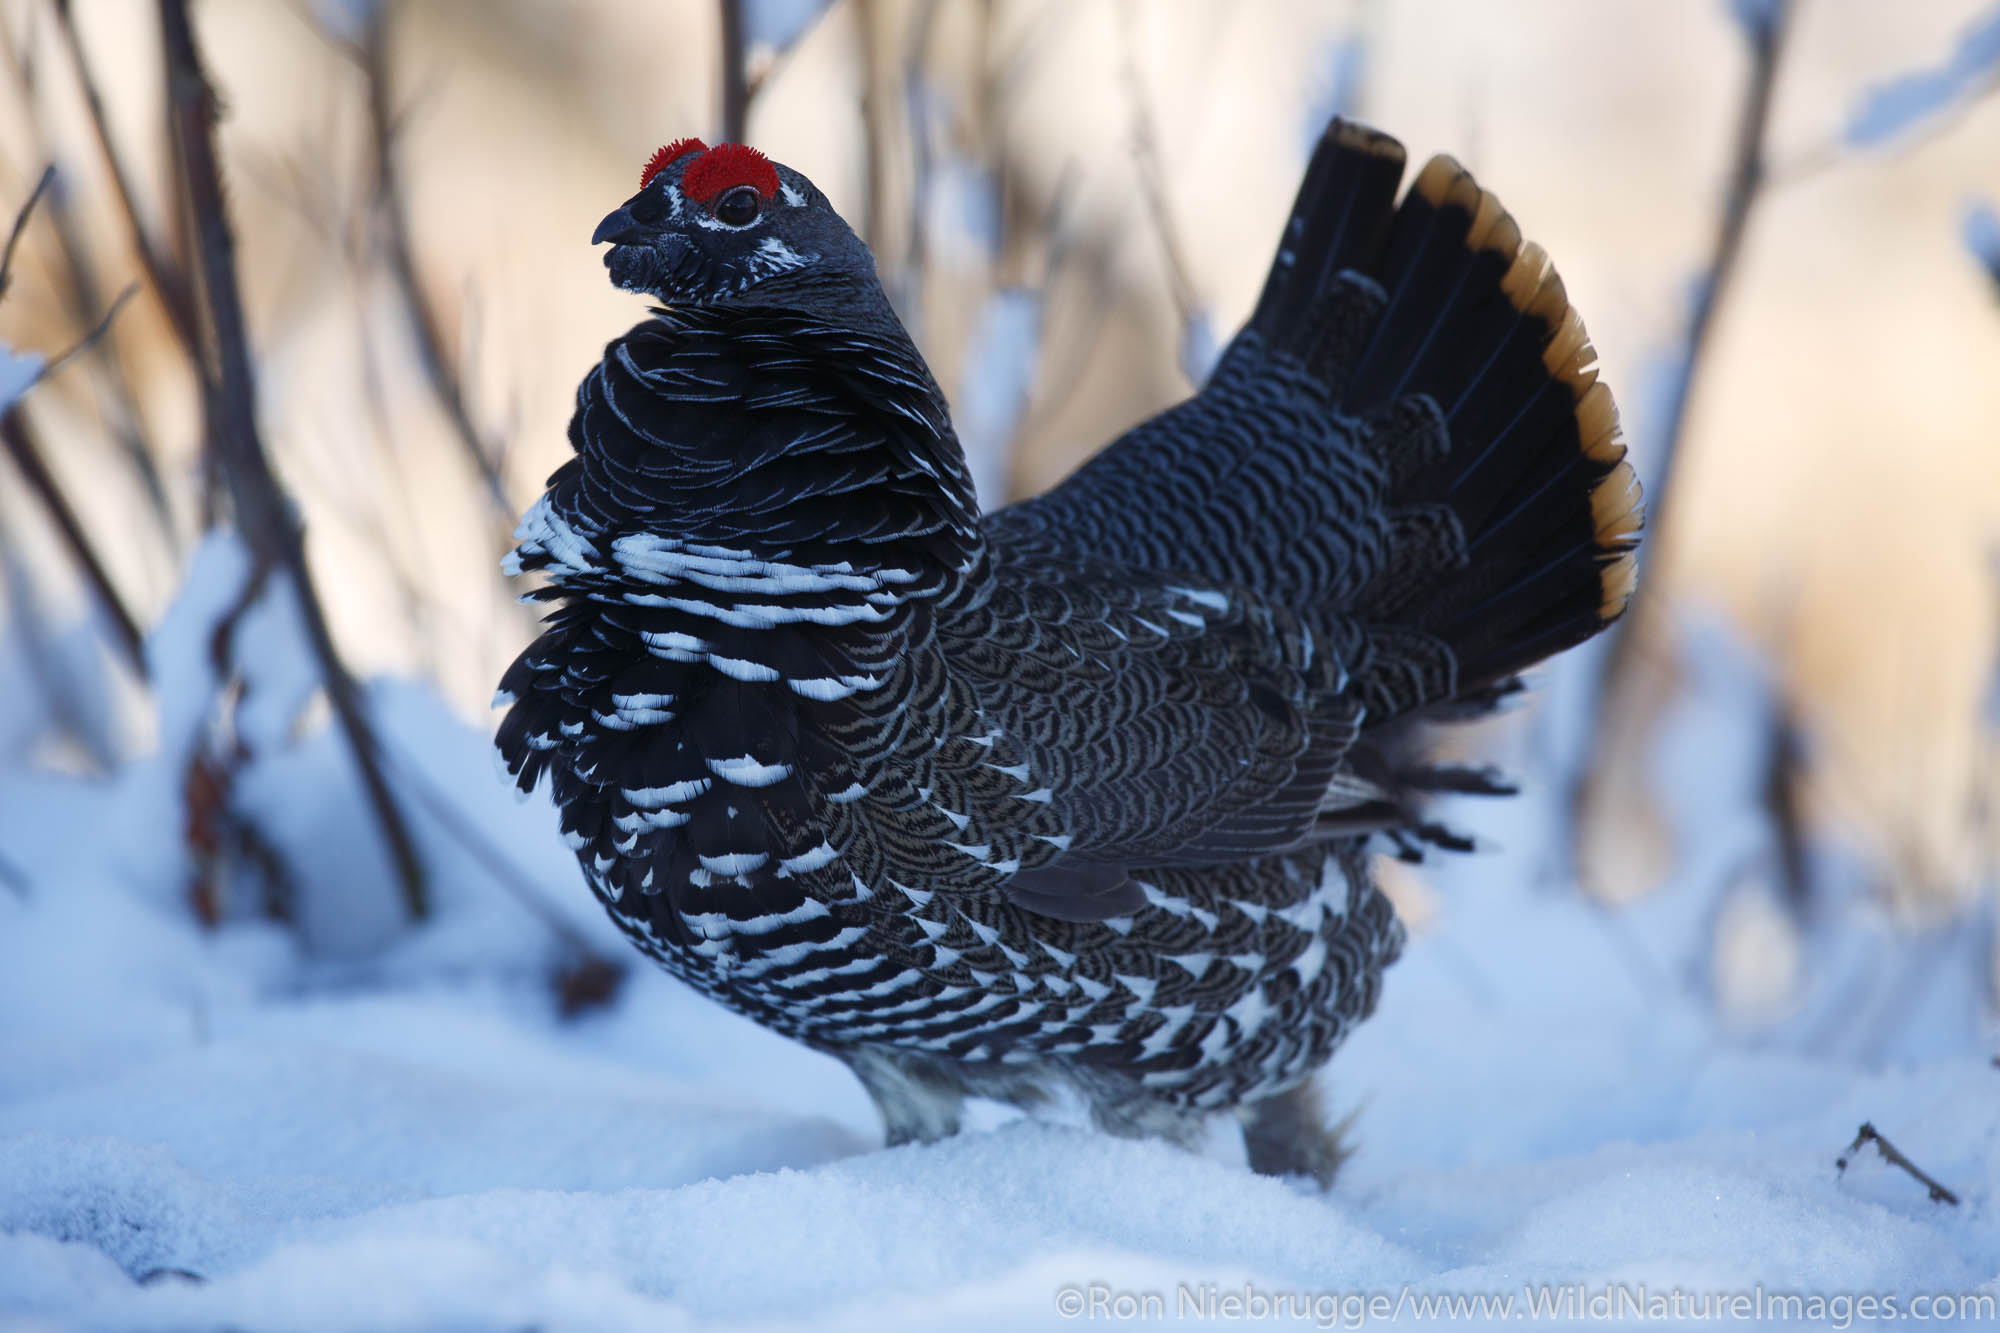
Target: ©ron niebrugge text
(1573, 1300)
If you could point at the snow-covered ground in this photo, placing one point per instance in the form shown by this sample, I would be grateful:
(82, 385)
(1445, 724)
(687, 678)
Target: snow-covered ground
(347, 1125)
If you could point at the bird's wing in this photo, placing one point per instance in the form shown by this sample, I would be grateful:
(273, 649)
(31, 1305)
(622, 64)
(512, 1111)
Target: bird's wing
(1139, 724)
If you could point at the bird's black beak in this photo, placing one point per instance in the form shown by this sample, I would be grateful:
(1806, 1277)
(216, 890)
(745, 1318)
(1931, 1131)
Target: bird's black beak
(621, 228)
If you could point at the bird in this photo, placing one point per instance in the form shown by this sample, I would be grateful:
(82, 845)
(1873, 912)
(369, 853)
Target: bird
(1077, 798)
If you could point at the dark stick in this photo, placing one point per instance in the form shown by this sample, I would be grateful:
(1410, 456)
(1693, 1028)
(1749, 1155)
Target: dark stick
(1783, 798)
(909, 298)
(439, 368)
(18, 439)
(466, 832)
(1894, 1156)
(874, 132)
(93, 336)
(735, 75)
(261, 509)
(21, 225)
(85, 301)
(1747, 177)
(1152, 179)
(169, 283)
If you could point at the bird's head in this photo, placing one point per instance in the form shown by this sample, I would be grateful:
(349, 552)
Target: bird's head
(712, 225)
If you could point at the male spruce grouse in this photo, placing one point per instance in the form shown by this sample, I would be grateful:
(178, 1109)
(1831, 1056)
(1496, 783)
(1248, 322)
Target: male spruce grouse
(1075, 794)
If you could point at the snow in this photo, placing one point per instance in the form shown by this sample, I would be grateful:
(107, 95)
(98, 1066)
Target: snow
(18, 373)
(1000, 362)
(359, 1124)
(1981, 230)
(1755, 15)
(1889, 109)
(779, 23)
(1200, 348)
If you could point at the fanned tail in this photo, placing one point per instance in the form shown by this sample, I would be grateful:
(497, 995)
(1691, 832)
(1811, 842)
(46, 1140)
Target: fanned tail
(1512, 513)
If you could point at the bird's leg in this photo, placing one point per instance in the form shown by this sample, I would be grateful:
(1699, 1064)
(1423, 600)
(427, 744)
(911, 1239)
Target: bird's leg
(1287, 1135)
(916, 1106)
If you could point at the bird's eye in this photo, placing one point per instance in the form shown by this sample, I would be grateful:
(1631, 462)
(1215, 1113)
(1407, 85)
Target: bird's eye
(739, 207)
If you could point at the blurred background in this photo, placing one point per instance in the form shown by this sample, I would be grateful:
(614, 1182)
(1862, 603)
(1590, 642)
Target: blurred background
(1777, 219)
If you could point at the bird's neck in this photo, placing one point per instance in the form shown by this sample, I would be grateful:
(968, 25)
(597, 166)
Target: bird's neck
(765, 491)
(746, 556)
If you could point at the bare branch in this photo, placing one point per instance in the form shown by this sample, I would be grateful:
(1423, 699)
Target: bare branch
(1152, 180)
(1913, 107)
(1834, 153)
(83, 294)
(466, 832)
(21, 225)
(87, 307)
(874, 122)
(1894, 1156)
(18, 439)
(917, 109)
(261, 511)
(1765, 31)
(170, 284)
(735, 73)
(94, 335)
(1747, 177)
(439, 367)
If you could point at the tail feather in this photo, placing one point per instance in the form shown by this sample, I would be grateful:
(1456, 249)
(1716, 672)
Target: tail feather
(1478, 382)
(1339, 224)
(1452, 475)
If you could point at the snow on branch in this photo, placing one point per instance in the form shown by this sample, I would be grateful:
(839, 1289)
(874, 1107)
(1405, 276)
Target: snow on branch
(1758, 16)
(18, 372)
(1891, 109)
(262, 511)
(1981, 231)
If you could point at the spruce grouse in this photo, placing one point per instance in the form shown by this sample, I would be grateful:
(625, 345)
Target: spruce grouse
(1076, 794)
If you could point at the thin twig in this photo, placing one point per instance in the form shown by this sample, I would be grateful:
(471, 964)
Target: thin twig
(1747, 177)
(170, 284)
(86, 305)
(868, 21)
(83, 293)
(1765, 34)
(261, 511)
(21, 225)
(93, 335)
(18, 439)
(467, 833)
(923, 166)
(439, 367)
(1782, 795)
(735, 74)
(6, 262)
(1152, 180)
(1894, 1156)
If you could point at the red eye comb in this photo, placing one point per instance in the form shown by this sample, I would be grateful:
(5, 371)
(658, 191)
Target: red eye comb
(726, 166)
(667, 156)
